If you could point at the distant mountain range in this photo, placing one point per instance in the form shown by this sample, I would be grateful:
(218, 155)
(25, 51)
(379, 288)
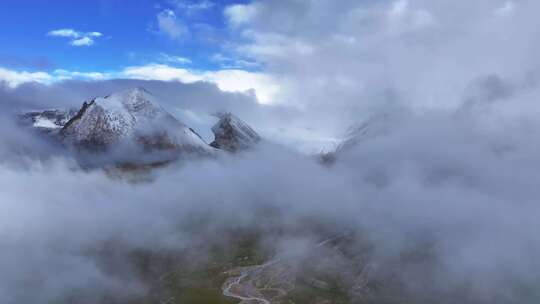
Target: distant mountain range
(133, 118)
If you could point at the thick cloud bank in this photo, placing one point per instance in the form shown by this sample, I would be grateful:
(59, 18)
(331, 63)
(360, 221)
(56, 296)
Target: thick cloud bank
(445, 196)
(459, 185)
(340, 60)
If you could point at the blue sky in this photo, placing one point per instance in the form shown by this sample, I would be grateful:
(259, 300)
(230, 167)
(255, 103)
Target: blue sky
(130, 31)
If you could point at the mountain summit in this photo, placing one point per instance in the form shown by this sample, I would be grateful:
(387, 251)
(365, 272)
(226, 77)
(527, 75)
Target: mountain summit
(130, 117)
(232, 134)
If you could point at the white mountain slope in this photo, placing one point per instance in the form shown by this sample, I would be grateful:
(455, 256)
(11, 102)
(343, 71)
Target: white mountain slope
(375, 126)
(46, 120)
(131, 116)
(232, 134)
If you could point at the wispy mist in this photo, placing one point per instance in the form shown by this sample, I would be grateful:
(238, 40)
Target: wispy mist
(451, 183)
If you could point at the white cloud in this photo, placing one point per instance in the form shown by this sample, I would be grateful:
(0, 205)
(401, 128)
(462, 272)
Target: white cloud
(160, 72)
(166, 58)
(339, 63)
(239, 14)
(263, 86)
(61, 74)
(70, 33)
(399, 8)
(275, 45)
(506, 9)
(403, 17)
(169, 25)
(77, 38)
(192, 6)
(84, 41)
(15, 78)
(231, 62)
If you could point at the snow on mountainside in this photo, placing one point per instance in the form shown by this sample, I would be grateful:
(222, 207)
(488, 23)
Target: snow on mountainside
(374, 127)
(132, 128)
(232, 134)
(130, 116)
(47, 120)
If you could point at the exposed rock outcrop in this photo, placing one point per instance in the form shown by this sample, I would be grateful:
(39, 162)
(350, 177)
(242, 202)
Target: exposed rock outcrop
(232, 134)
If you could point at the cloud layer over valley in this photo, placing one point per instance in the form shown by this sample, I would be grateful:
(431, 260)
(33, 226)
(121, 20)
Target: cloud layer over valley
(459, 184)
(429, 110)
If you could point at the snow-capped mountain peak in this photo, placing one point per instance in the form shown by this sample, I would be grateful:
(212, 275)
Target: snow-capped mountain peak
(232, 134)
(132, 104)
(131, 116)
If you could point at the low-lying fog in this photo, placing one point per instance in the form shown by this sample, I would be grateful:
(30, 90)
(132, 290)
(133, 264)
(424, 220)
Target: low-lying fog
(462, 184)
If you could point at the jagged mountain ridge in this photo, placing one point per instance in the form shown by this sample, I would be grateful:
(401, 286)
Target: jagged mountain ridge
(373, 127)
(130, 116)
(134, 117)
(233, 134)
